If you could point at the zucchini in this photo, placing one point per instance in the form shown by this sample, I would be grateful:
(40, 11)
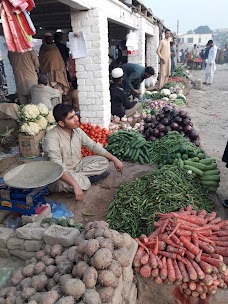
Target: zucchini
(212, 172)
(212, 189)
(194, 159)
(208, 161)
(196, 165)
(213, 178)
(181, 163)
(194, 169)
(211, 167)
(210, 183)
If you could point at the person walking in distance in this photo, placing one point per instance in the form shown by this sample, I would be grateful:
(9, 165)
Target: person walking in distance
(211, 66)
(163, 52)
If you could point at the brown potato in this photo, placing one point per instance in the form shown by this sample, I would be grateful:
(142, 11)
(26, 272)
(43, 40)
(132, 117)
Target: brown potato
(79, 269)
(90, 277)
(102, 258)
(107, 278)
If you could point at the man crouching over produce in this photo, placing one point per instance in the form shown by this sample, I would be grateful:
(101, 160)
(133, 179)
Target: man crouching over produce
(63, 145)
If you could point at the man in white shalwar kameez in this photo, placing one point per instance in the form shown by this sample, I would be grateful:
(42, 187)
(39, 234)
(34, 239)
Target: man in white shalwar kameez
(211, 66)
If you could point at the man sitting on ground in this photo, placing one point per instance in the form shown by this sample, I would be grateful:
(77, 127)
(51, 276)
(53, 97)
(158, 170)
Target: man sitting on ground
(134, 74)
(120, 105)
(63, 145)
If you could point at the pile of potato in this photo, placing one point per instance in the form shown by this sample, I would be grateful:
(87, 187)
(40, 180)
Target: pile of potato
(86, 273)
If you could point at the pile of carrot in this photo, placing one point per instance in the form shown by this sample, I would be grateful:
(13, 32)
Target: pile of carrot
(189, 248)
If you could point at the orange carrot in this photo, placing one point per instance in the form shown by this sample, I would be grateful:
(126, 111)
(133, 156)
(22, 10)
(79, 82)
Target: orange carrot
(223, 224)
(190, 218)
(179, 258)
(183, 232)
(137, 269)
(205, 239)
(198, 256)
(207, 268)
(192, 285)
(154, 234)
(164, 226)
(142, 245)
(212, 227)
(191, 247)
(143, 238)
(212, 289)
(199, 288)
(163, 271)
(155, 272)
(176, 240)
(206, 232)
(216, 282)
(215, 270)
(158, 224)
(206, 247)
(203, 295)
(184, 285)
(225, 259)
(159, 262)
(171, 271)
(189, 255)
(183, 272)
(178, 274)
(153, 260)
(221, 238)
(138, 256)
(145, 259)
(221, 250)
(145, 271)
(174, 230)
(194, 294)
(155, 250)
(187, 291)
(210, 217)
(198, 270)
(191, 271)
(216, 221)
(180, 251)
(222, 233)
(168, 254)
(212, 261)
(170, 242)
(186, 227)
(158, 280)
(202, 213)
(189, 208)
(221, 243)
(195, 239)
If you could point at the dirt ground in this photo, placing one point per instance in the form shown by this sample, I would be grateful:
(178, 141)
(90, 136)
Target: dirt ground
(208, 109)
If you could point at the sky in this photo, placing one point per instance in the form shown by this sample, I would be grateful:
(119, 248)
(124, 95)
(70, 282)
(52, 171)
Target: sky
(191, 14)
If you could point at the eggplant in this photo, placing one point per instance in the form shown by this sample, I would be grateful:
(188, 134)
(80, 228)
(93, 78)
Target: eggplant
(165, 121)
(162, 115)
(186, 121)
(161, 127)
(166, 109)
(161, 134)
(193, 135)
(191, 124)
(152, 138)
(178, 120)
(168, 129)
(174, 113)
(183, 114)
(196, 143)
(150, 131)
(152, 125)
(147, 120)
(156, 132)
(174, 126)
(187, 129)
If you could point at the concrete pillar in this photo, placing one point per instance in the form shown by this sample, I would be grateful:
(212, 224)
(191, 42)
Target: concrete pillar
(139, 57)
(152, 45)
(93, 71)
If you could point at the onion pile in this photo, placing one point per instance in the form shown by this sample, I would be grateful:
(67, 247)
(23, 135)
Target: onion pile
(167, 120)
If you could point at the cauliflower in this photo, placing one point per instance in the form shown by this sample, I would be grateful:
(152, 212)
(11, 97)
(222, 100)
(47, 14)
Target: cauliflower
(173, 96)
(50, 127)
(181, 96)
(43, 109)
(30, 128)
(165, 99)
(29, 112)
(42, 123)
(50, 118)
(165, 92)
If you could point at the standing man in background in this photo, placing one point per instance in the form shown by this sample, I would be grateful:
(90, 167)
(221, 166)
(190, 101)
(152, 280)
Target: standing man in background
(163, 52)
(25, 68)
(211, 66)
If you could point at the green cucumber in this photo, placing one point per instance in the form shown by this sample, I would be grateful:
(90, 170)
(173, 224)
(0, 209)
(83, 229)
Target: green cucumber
(210, 183)
(140, 160)
(194, 159)
(194, 169)
(213, 178)
(136, 155)
(212, 172)
(211, 167)
(208, 161)
(212, 189)
(181, 163)
(196, 165)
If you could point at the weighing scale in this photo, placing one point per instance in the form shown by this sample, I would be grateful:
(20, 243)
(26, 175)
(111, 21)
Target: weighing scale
(23, 188)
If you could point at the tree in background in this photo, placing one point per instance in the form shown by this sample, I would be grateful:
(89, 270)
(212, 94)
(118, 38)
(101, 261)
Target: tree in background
(203, 29)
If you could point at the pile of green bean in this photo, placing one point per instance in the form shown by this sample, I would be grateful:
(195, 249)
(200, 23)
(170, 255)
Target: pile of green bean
(136, 204)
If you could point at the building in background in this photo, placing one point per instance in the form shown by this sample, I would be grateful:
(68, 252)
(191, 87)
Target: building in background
(188, 40)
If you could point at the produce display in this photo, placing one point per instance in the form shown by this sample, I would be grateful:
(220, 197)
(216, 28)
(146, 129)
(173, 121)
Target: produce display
(127, 145)
(206, 169)
(167, 120)
(171, 147)
(136, 204)
(62, 221)
(88, 272)
(188, 248)
(97, 134)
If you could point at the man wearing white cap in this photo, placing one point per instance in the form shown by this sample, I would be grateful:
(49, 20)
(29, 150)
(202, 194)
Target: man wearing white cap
(120, 105)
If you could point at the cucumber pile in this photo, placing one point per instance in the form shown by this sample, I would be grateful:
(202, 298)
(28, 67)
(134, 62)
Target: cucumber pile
(129, 146)
(206, 169)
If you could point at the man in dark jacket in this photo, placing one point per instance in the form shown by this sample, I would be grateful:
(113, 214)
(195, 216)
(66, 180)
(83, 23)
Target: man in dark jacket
(134, 74)
(120, 105)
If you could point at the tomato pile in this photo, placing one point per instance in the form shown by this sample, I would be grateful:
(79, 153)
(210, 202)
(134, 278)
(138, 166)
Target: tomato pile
(178, 79)
(97, 134)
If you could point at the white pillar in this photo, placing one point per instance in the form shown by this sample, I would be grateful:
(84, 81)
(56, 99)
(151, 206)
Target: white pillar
(139, 57)
(152, 45)
(93, 71)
